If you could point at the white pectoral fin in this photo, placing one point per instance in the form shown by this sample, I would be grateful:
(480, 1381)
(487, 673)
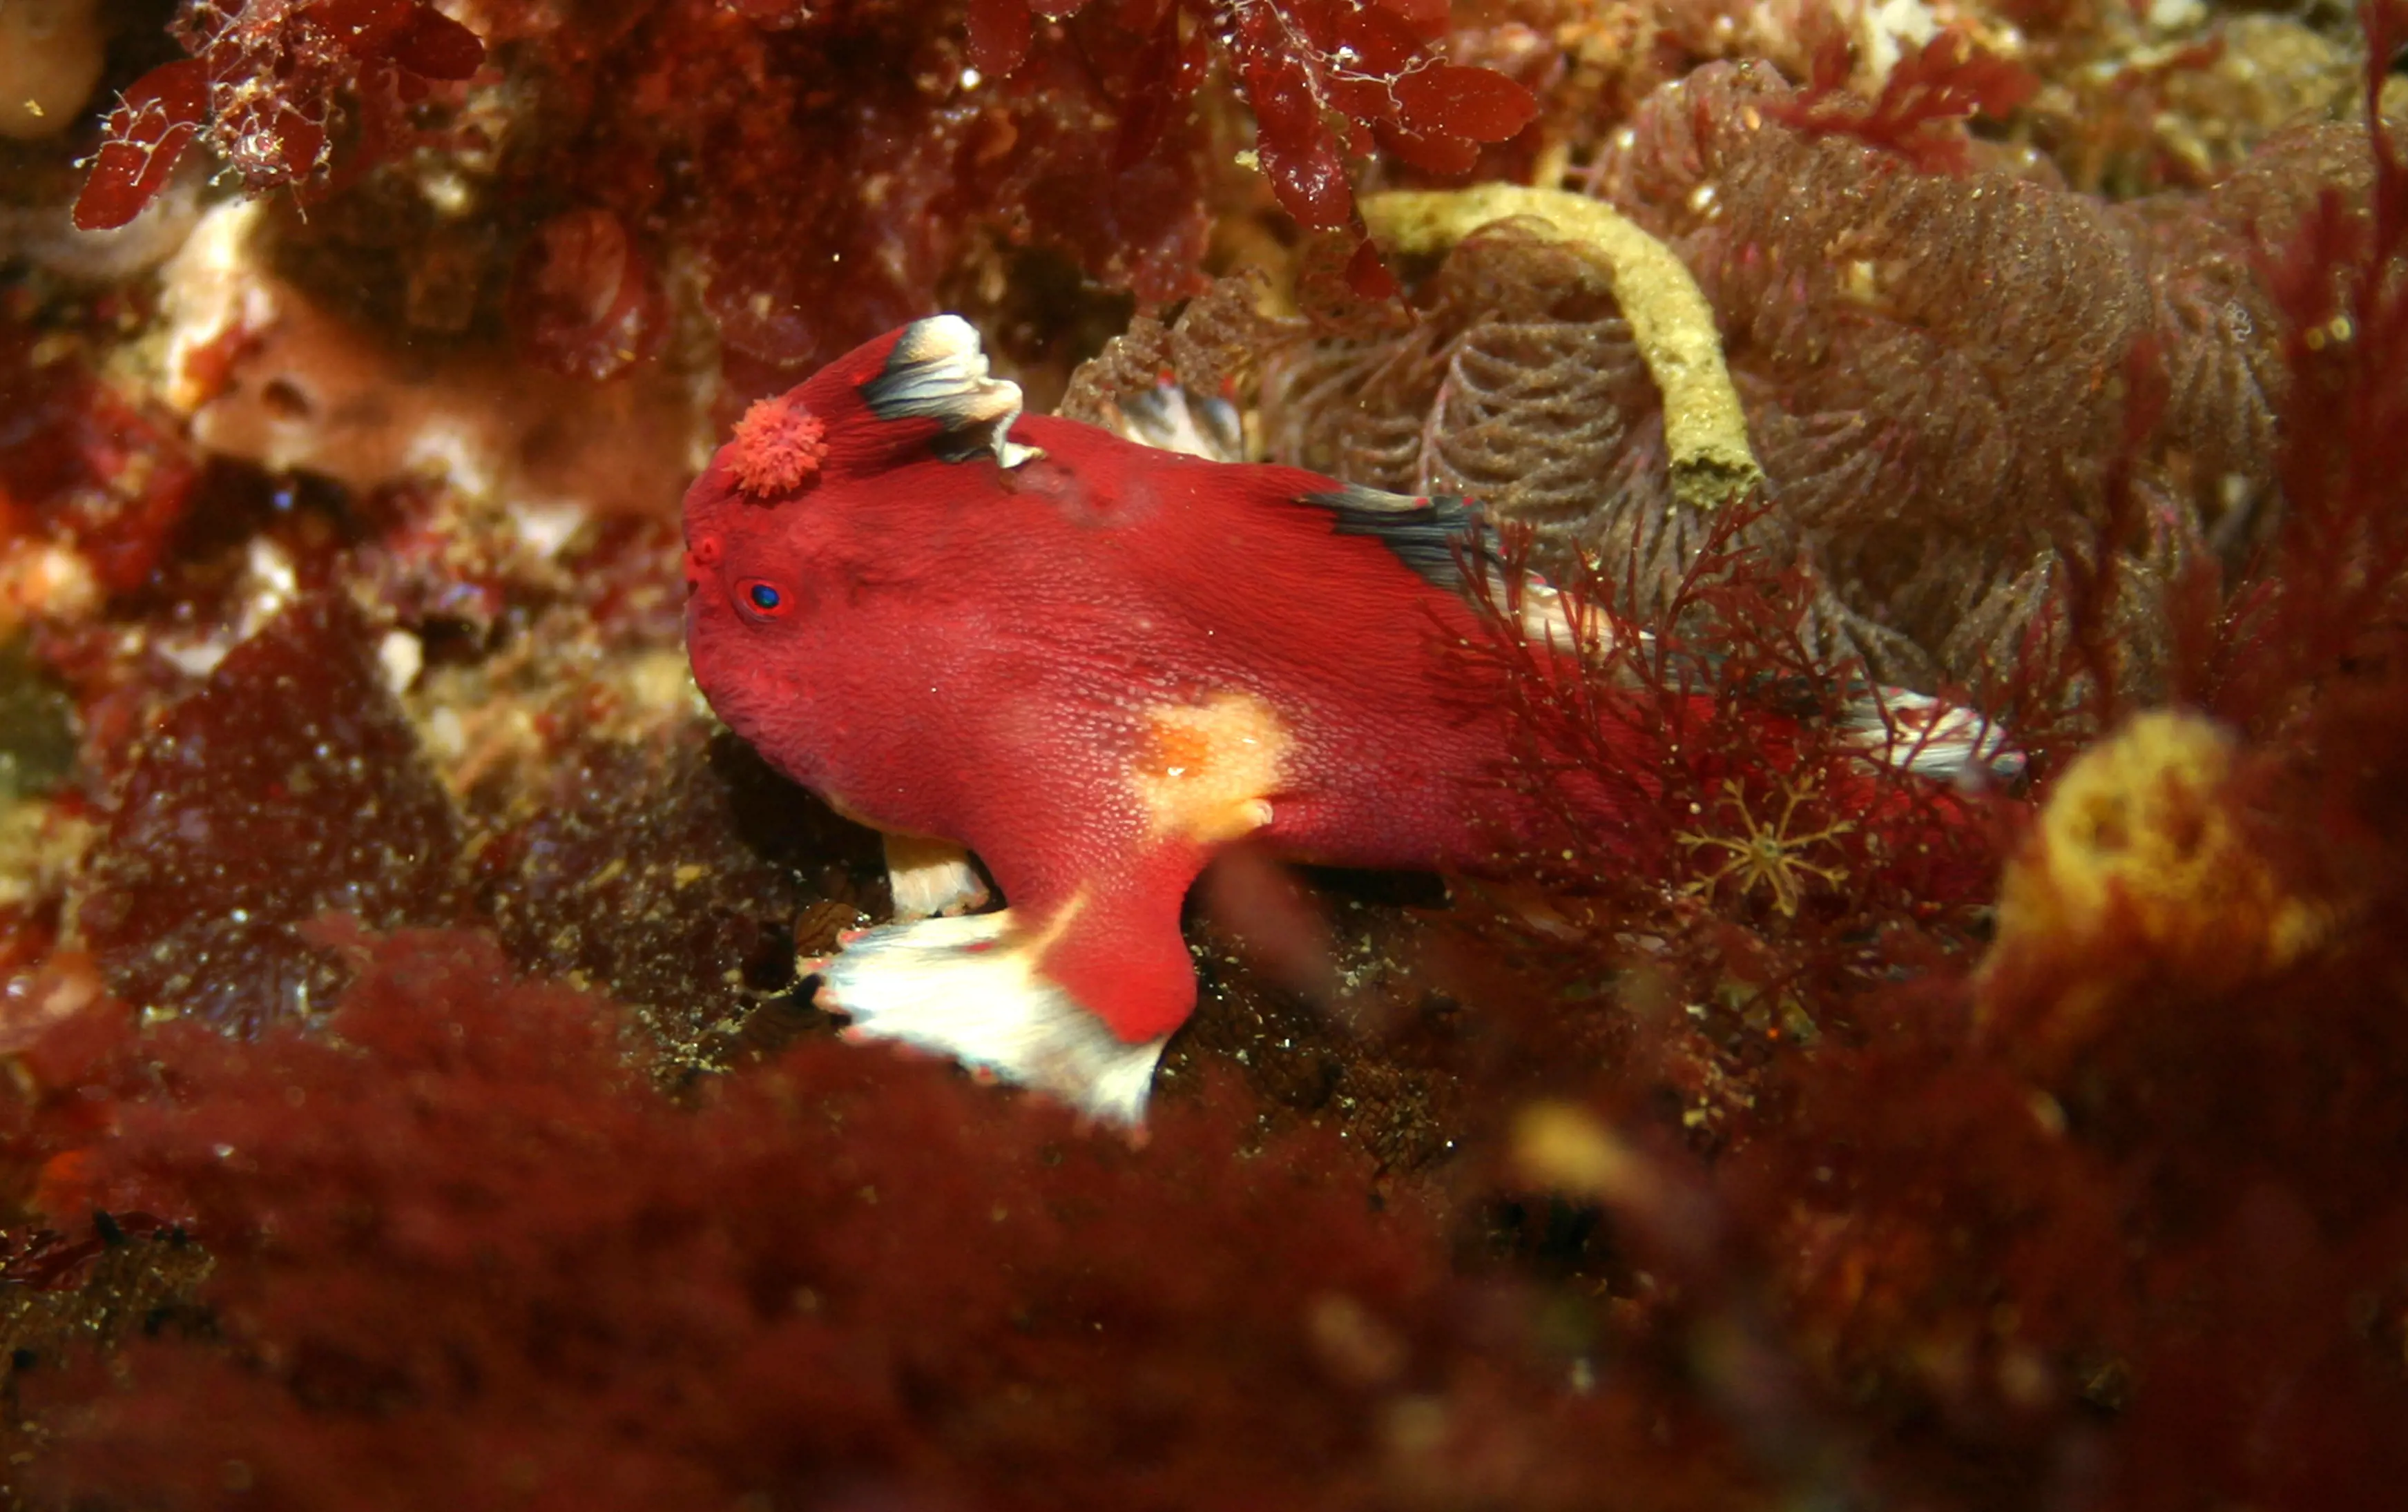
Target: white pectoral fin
(930, 878)
(964, 989)
(1945, 742)
(1169, 418)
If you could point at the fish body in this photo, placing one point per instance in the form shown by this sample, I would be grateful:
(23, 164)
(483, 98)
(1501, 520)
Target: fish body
(1095, 663)
(1001, 657)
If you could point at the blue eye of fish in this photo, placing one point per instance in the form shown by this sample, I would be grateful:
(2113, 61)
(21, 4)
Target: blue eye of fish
(764, 596)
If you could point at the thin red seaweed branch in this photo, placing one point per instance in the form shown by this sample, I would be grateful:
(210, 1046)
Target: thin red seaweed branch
(1924, 103)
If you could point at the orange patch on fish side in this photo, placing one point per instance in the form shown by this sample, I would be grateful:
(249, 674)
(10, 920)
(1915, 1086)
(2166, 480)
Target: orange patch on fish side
(1206, 771)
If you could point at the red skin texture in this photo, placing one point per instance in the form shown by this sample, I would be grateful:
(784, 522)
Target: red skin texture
(967, 651)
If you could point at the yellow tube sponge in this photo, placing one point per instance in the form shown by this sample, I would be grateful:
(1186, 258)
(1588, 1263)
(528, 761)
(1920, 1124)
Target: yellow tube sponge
(1671, 320)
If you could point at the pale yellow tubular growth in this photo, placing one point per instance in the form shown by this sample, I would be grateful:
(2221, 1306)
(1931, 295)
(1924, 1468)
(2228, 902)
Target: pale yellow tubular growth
(1704, 429)
(1206, 771)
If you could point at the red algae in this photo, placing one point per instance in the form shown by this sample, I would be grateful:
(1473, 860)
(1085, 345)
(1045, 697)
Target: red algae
(86, 466)
(675, 873)
(289, 786)
(833, 170)
(154, 122)
(1296, 62)
(463, 1223)
(1928, 93)
(585, 299)
(271, 84)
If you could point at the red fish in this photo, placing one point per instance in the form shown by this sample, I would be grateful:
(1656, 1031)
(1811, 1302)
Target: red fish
(1093, 663)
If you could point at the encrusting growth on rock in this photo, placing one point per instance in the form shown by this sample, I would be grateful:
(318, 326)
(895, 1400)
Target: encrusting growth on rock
(2143, 858)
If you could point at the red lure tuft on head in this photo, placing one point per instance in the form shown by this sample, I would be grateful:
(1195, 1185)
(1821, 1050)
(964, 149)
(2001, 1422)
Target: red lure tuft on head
(779, 446)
